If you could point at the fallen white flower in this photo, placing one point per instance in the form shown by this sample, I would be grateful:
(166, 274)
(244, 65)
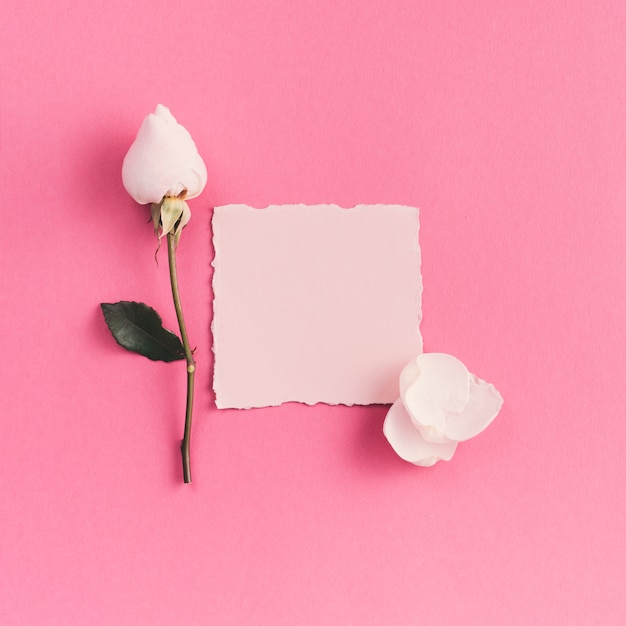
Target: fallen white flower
(441, 403)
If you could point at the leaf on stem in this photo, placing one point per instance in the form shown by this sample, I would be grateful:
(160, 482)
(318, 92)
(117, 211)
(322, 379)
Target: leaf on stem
(138, 328)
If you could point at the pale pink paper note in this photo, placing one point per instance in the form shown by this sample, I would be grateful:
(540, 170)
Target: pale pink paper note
(314, 303)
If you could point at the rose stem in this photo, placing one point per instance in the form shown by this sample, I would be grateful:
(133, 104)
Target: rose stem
(191, 364)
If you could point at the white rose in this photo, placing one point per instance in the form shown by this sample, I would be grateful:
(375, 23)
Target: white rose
(163, 161)
(441, 403)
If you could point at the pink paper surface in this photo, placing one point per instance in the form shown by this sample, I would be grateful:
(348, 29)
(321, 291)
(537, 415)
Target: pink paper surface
(314, 303)
(505, 123)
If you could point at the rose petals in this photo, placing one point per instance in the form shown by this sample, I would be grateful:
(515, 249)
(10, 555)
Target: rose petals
(163, 161)
(441, 389)
(441, 403)
(407, 441)
(483, 406)
(409, 375)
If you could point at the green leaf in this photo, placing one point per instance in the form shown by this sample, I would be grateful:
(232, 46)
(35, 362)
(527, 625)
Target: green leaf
(138, 328)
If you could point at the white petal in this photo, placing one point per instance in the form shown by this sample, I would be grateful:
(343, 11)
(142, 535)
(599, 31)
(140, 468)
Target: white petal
(441, 389)
(408, 376)
(164, 113)
(483, 406)
(407, 442)
(162, 161)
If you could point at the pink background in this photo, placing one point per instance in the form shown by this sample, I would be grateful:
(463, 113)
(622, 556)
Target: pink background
(505, 122)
